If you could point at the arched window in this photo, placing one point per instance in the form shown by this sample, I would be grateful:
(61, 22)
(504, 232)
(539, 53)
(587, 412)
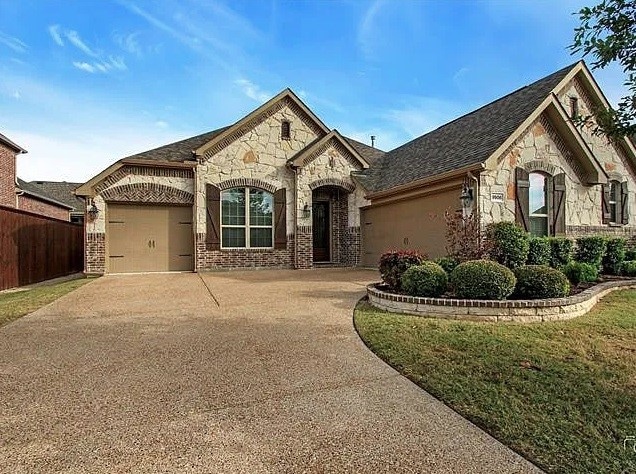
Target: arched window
(247, 218)
(538, 204)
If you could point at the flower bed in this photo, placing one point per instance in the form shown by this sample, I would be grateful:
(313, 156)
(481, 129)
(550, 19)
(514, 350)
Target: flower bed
(525, 311)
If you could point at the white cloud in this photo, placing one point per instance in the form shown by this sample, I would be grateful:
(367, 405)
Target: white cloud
(75, 39)
(14, 43)
(161, 124)
(366, 35)
(16, 95)
(54, 31)
(129, 43)
(253, 91)
(117, 63)
(84, 66)
(423, 114)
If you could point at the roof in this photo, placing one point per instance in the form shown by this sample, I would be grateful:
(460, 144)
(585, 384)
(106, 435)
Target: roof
(178, 151)
(10, 144)
(61, 191)
(35, 191)
(370, 154)
(467, 140)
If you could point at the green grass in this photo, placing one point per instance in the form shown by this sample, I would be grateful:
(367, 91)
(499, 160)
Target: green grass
(16, 304)
(562, 394)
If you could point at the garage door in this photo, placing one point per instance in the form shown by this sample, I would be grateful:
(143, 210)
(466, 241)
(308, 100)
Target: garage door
(149, 238)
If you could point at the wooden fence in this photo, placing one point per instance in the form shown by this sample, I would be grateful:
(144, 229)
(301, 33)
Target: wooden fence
(35, 248)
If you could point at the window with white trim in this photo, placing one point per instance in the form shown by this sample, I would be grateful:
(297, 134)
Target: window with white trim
(247, 216)
(614, 197)
(538, 204)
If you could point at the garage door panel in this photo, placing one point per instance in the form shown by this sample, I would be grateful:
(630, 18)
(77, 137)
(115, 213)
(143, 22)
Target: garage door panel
(149, 238)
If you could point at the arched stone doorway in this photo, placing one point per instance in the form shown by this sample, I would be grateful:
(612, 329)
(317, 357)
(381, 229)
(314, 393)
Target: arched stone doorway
(329, 224)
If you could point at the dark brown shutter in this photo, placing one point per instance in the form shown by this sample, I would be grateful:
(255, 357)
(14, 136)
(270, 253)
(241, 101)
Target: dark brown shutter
(558, 204)
(213, 219)
(522, 198)
(605, 207)
(280, 219)
(624, 204)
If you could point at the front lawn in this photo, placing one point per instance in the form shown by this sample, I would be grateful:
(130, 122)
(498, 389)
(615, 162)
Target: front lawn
(561, 394)
(14, 304)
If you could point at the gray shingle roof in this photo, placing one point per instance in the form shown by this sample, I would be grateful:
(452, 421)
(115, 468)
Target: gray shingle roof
(61, 191)
(178, 151)
(370, 154)
(35, 191)
(465, 141)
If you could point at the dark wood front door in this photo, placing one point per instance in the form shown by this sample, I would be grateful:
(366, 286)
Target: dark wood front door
(320, 212)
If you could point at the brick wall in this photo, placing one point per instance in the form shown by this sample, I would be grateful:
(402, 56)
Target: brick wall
(305, 237)
(351, 255)
(243, 258)
(28, 203)
(95, 253)
(575, 231)
(7, 176)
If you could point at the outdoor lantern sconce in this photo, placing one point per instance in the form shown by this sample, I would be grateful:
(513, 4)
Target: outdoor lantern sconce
(93, 212)
(466, 197)
(306, 211)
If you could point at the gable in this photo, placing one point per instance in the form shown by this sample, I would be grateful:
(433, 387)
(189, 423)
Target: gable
(337, 146)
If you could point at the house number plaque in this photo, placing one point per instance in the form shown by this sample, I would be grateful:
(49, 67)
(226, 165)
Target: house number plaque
(497, 197)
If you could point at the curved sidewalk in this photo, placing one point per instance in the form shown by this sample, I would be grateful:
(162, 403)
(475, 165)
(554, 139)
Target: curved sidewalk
(251, 372)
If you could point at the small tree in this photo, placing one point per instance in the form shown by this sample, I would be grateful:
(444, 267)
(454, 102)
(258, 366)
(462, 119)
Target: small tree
(464, 239)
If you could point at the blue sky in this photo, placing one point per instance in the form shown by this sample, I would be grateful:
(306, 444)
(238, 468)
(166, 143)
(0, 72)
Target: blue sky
(85, 83)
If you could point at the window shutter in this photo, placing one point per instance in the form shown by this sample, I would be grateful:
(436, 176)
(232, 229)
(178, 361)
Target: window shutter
(280, 219)
(558, 204)
(624, 204)
(213, 216)
(522, 198)
(605, 207)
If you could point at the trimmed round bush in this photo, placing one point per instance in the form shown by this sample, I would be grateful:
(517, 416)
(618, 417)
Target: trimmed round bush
(428, 279)
(580, 272)
(628, 268)
(614, 255)
(630, 253)
(482, 280)
(540, 281)
(447, 263)
(561, 251)
(508, 244)
(539, 251)
(394, 263)
(591, 250)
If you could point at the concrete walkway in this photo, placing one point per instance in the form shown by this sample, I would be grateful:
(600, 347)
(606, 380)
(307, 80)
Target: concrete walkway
(151, 373)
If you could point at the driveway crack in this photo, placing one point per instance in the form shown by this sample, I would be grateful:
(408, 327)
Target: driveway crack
(209, 290)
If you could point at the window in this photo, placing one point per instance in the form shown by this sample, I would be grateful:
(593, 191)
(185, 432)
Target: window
(574, 107)
(613, 199)
(538, 204)
(285, 130)
(246, 218)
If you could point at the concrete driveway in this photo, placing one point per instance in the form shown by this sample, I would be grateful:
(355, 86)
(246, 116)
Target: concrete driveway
(249, 372)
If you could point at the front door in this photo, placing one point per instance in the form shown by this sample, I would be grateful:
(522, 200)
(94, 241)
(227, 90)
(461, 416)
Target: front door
(322, 239)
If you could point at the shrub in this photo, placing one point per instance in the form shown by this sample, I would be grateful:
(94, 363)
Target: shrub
(447, 263)
(591, 250)
(630, 253)
(539, 252)
(614, 255)
(628, 268)
(561, 251)
(540, 281)
(580, 272)
(427, 279)
(463, 236)
(394, 263)
(482, 280)
(508, 244)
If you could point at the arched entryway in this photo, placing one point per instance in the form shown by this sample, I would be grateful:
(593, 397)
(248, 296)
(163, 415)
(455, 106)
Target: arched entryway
(329, 224)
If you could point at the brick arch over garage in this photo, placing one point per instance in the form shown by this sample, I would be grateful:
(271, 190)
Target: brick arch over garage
(341, 183)
(147, 193)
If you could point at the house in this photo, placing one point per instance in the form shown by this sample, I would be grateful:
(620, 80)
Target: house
(56, 200)
(278, 188)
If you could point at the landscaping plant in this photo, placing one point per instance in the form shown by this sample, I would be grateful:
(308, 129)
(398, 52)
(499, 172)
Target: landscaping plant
(508, 244)
(561, 251)
(539, 251)
(628, 268)
(464, 240)
(427, 279)
(482, 280)
(394, 263)
(540, 281)
(614, 255)
(591, 250)
(447, 263)
(579, 272)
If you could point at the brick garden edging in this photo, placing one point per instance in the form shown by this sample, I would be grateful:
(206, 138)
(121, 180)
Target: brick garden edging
(522, 311)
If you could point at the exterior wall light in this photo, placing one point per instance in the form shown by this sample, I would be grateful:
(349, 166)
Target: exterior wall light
(93, 212)
(466, 198)
(306, 211)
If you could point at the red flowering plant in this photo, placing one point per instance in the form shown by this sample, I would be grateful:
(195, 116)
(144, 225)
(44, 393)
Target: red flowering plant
(394, 263)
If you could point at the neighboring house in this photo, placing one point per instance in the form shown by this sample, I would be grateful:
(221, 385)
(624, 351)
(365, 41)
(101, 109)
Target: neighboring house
(63, 192)
(31, 197)
(279, 188)
(8, 152)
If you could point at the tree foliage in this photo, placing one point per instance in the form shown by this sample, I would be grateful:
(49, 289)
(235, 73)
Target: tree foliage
(608, 34)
